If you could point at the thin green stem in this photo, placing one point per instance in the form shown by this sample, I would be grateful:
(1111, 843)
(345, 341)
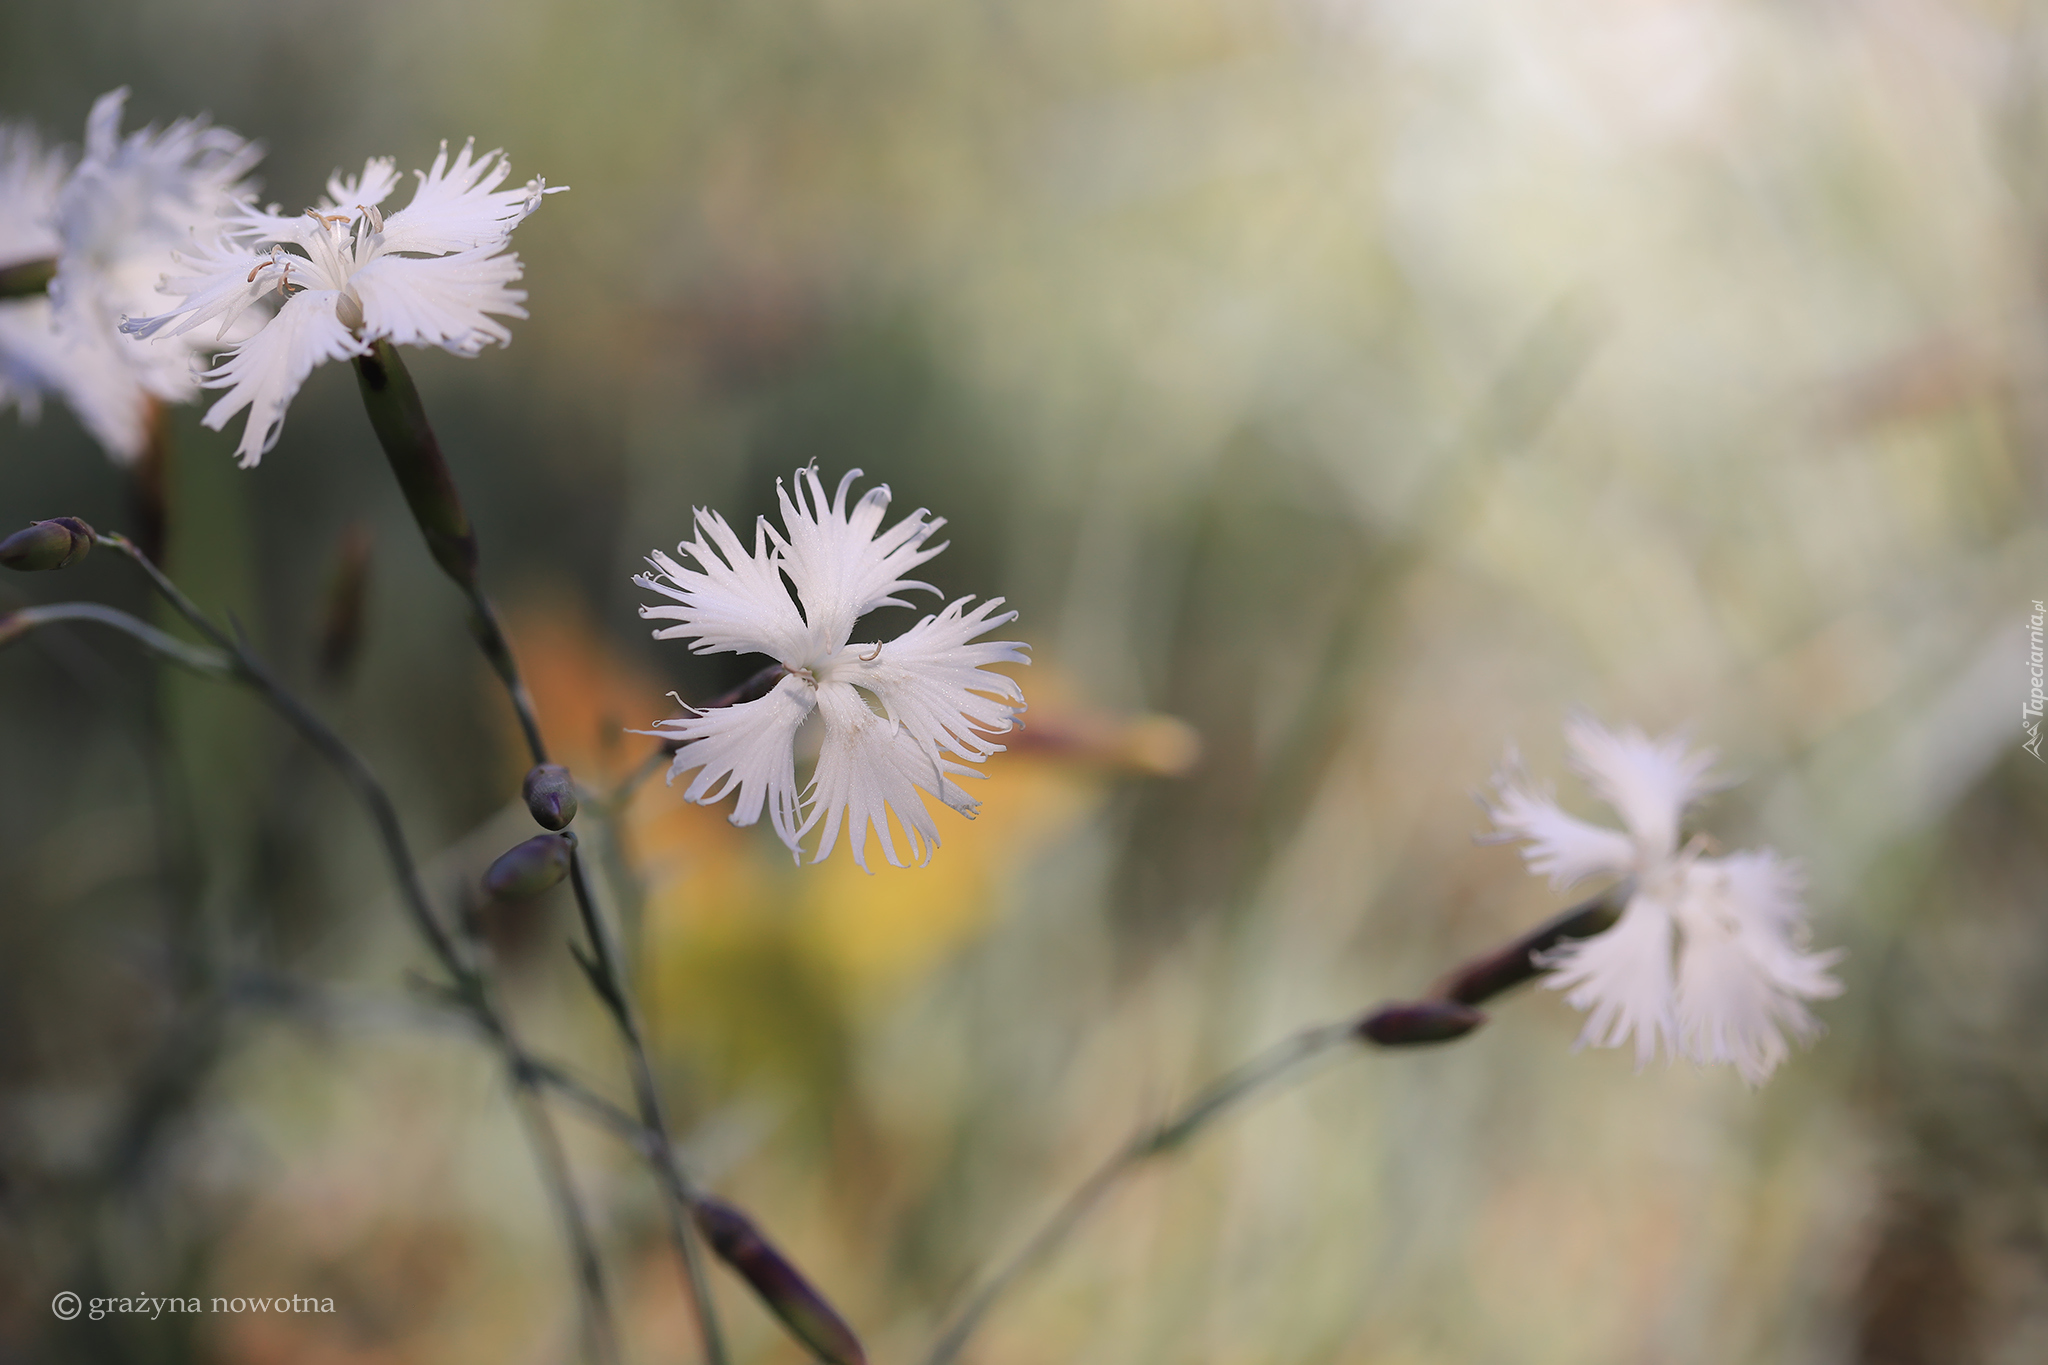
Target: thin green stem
(607, 976)
(399, 418)
(212, 663)
(27, 279)
(1457, 993)
(471, 987)
(490, 637)
(1267, 1069)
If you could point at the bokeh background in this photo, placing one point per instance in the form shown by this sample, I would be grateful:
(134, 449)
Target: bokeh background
(1342, 390)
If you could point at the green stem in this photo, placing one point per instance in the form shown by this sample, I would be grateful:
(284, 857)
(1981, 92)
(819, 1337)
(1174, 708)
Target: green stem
(1475, 981)
(211, 663)
(471, 987)
(610, 982)
(27, 279)
(1268, 1068)
(400, 421)
(399, 418)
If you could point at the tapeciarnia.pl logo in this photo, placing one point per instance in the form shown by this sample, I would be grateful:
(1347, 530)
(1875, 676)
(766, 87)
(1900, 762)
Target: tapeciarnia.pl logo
(2030, 713)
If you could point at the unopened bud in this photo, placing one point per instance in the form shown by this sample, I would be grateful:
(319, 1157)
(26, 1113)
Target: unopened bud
(1420, 1021)
(782, 1288)
(528, 869)
(55, 544)
(550, 795)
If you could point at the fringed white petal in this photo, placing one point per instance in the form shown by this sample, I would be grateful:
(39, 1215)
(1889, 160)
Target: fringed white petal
(147, 193)
(1622, 979)
(1648, 782)
(36, 357)
(266, 370)
(348, 193)
(25, 367)
(215, 285)
(1743, 970)
(443, 301)
(934, 680)
(842, 563)
(869, 767)
(112, 227)
(1561, 847)
(31, 176)
(455, 207)
(749, 748)
(733, 602)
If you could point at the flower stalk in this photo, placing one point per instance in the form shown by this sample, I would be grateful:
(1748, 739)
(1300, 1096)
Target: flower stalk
(27, 279)
(400, 421)
(398, 417)
(1447, 1013)
(470, 988)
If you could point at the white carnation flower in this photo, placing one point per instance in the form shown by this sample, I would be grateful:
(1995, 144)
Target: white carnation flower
(112, 225)
(1708, 958)
(123, 214)
(899, 717)
(345, 274)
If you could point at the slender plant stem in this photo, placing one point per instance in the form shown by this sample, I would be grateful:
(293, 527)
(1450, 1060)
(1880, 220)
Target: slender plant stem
(209, 662)
(27, 279)
(600, 1336)
(606, 975)
(470, 985)
(1268, 1068)
(399, 418)
(1449, 1011)
(490, 637)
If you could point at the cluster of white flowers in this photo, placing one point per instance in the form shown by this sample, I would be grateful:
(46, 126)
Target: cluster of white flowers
(898, 717)
(1708, 958)
(112, 224)
(171, 212)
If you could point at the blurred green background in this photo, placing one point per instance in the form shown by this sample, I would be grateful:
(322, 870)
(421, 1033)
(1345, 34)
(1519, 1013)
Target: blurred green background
(1362, 383)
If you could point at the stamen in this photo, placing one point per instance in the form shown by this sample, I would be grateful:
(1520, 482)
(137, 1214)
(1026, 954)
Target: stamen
(371, 212)
(328, 219)
(872, 654)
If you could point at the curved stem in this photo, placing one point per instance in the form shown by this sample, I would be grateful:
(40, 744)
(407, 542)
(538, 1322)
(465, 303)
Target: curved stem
(607, 978)
(1449, 1005)
(1268, 1068)
(399, 419)
(209, 662)
(470, 985)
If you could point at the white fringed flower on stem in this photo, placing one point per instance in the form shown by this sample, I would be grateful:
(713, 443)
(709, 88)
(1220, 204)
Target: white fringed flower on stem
(899, 717)
(124, 213)
(112, 226)
(345, 274)
(1708, 959)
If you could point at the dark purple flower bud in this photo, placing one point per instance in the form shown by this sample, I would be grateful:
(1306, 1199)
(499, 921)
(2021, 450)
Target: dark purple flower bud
(528, 869)
(550, 795)
(1419, 1021)
(788, 1295)
(55, 544)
